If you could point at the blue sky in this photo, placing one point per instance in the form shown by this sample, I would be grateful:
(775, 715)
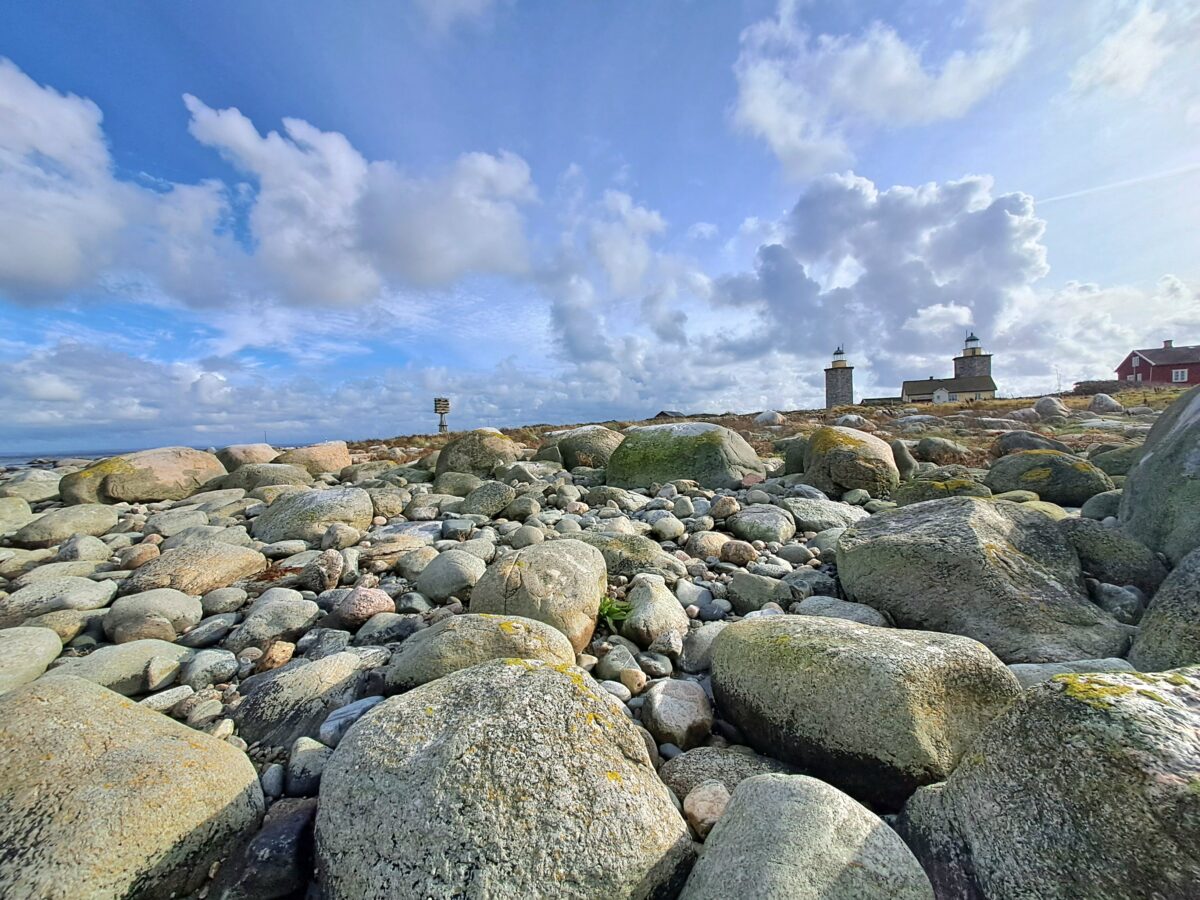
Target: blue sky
(304, 220)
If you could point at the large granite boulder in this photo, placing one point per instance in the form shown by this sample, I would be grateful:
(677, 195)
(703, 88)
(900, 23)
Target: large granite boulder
(1054, 476)
(1118, 460)
(460, 642)
(724, 764)
(1084, 787)
(31, 485)
(509, 779)
(1169, 635)
(633, 554)
(331, 456)
(988, 569)
(15, 514)
(708, 454)
(196, 568)
(1112, 556)
(762, 522)
(1018, 441)
(24, 654)
(875, 711)
(291, 702)
(835, 849)
(252, 476)
(235, 456)
(46, 595)
(478, 453)
(165, 473)
(840, 459)
(305, 515)
(821, 515)
(591, 446)
(130, 669)
(558, 582)
(100, 797)
(57, 525)
(1162, 492)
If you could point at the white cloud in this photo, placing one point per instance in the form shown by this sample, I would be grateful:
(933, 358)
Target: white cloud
(444, 14)
(326, 226)
(620, 241)
(702, 231)
(808, 94)
(1125, 60)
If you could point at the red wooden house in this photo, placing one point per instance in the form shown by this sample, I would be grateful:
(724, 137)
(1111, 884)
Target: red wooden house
(1165, 365)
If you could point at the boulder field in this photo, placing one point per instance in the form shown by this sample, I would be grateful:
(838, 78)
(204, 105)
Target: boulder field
(887, 654)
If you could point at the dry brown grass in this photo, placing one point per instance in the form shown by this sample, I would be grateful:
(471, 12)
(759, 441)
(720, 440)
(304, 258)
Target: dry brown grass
(802, 420)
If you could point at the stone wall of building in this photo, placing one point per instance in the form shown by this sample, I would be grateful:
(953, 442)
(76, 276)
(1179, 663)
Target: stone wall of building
(973, 366)
(839, 387)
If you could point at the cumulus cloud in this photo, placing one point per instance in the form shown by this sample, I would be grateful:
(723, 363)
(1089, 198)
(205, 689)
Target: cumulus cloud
(806, 95)
(326, 226)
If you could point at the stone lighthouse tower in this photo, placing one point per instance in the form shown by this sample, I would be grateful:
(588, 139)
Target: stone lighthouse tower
(973, 362)
(839, 381)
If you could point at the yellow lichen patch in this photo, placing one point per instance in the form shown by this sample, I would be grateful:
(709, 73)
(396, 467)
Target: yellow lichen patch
(1092, 690)
(1042, 473)
(511, 628)
(615, 777)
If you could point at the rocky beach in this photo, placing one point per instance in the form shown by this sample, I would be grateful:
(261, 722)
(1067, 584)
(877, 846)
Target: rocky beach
(893, 653)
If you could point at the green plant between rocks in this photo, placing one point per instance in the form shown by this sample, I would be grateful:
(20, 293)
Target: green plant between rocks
(613, 611)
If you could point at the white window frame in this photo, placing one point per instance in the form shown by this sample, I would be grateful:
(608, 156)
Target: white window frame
(1137, 360)
(1139, 376)
(1179, 376)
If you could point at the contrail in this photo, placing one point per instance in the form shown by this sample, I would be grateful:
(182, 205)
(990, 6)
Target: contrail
(1141, 179)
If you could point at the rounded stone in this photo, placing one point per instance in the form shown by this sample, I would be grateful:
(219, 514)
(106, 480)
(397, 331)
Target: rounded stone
(464, 641)
(499, 769)
(78, 761)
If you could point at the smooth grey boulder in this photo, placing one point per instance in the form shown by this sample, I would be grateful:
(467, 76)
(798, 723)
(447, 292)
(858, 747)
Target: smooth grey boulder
(24, 654)
(174, 607)
(31, 485)
(820, 515)
(460, 642)
(836, 849)
(15, 514)
(728, 766)
(839, 459)
(291, 702)
(1084, 787)
(196, 568)
(1113, 557)
(1030, 674)
(252, 476)
(653, 611)
(306, 515)
(875, 711)
(1161, 494)
(591, 446)
(57, 525)
(452, 573)
(762, 522)
(164, 473)
(1054, 476)
(488, 499)
(632, 554)
(833, 608)
(52, 594)
(478, 453)
(558, 582)
(711, 455)
(521, 779)
(81, 767)
(992, 570)
(1017, 441)
(1101, 506)
(128, 669)
(83, 547)
(677, 712)
(1169, 635)
(270, 621)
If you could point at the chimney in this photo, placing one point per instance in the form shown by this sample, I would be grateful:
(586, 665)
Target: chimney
(1167, 345)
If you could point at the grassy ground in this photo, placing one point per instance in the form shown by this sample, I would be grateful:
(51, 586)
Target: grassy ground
(762, 439)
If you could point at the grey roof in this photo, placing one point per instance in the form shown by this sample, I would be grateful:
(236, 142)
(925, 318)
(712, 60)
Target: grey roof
(955, 385)
(1171, 356)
